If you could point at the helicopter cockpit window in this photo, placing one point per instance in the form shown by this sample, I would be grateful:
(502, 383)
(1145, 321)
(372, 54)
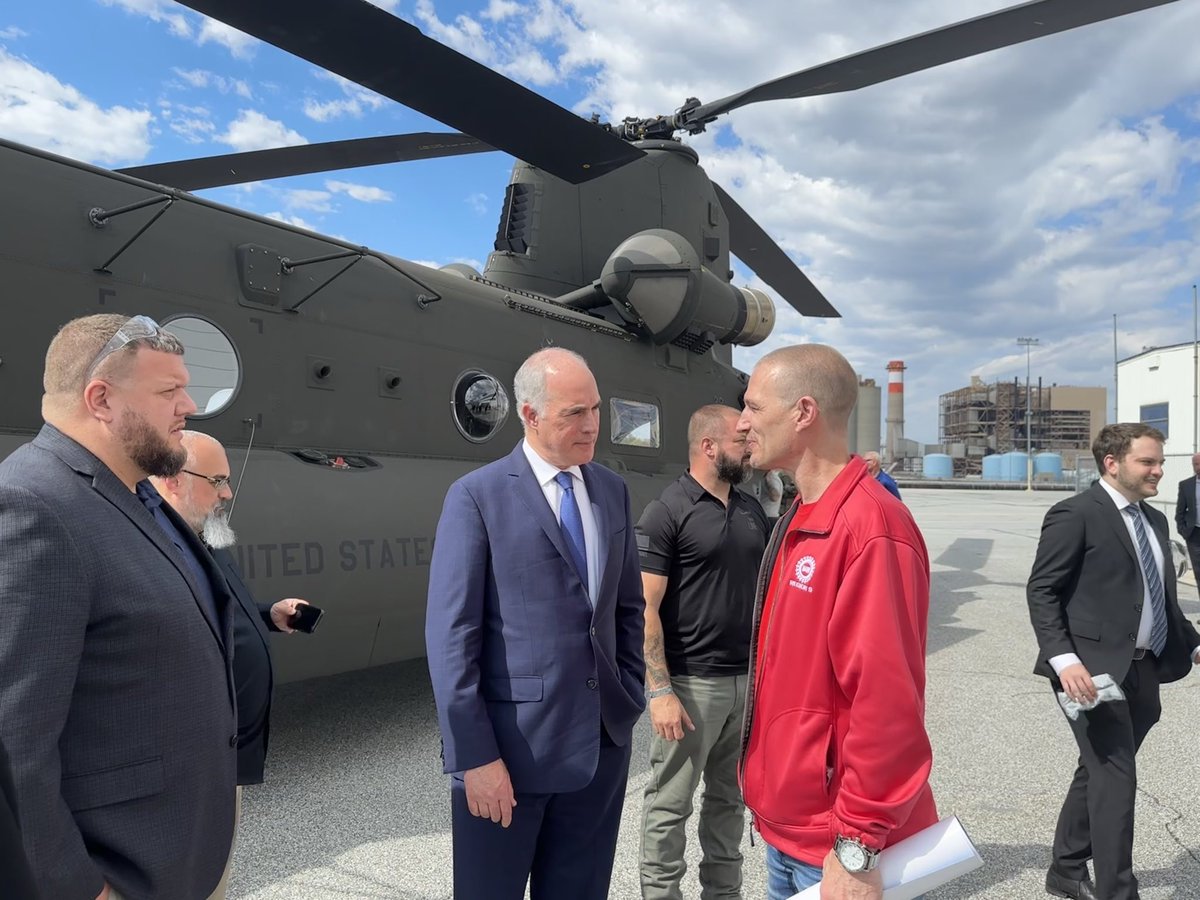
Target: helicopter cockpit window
(634, 424)
(211, 360)
(480, 405)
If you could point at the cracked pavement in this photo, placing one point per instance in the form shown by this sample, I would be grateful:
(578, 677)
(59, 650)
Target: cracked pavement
(355, 805)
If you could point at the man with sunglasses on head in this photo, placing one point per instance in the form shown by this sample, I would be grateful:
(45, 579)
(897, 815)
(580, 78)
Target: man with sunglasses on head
(116, 636)
(199, 493)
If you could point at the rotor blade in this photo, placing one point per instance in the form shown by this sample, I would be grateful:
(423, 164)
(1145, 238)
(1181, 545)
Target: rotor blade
(373, 48)
(933, 48)
(262, 165)
(766, 259)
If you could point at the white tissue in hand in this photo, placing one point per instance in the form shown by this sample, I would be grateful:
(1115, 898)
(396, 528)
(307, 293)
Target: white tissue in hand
(1107, 690)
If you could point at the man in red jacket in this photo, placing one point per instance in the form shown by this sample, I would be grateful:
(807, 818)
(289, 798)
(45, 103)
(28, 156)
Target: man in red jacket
(835, 758)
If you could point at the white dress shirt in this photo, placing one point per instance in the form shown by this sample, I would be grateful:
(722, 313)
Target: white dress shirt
(545, 474)
(1060, 662)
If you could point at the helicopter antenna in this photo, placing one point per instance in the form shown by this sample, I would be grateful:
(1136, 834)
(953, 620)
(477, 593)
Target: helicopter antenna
(241, 474)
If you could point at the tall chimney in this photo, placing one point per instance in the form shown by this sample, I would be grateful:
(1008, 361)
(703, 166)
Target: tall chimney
(895, 410)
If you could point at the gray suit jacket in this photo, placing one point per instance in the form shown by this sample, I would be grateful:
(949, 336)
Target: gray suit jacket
(116, 693)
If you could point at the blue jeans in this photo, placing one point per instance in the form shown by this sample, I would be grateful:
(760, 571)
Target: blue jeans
(787, 876)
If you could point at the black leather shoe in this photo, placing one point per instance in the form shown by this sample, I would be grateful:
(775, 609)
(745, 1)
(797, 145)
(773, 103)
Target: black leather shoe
(1060, 886)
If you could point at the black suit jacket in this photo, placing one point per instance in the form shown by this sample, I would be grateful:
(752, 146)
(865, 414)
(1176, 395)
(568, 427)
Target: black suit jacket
(252, 672)
(1185, 508)
(116, 690)
(1085, 592)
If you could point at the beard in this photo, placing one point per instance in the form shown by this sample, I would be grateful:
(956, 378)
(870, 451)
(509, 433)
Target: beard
(216, 531)
(731, 471)
(146, 448)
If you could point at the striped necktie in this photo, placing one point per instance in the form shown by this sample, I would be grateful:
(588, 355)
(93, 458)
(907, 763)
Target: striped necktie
(571, 523)
(1158, 597)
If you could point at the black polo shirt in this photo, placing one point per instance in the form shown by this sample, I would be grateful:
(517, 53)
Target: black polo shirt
(710, 554)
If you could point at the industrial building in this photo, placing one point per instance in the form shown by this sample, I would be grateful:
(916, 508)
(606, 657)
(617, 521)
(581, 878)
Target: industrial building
(1158, 386)
(863, 433)
(989, 417)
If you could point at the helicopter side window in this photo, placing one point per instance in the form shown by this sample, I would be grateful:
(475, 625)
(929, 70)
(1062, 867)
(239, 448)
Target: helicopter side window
(634, 424)
(212, 363)
(480, 405)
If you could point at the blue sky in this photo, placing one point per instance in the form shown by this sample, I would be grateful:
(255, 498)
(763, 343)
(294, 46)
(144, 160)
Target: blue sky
(1036, 190)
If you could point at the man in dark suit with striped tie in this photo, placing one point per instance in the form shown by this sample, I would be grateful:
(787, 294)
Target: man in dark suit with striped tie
(1102, 600)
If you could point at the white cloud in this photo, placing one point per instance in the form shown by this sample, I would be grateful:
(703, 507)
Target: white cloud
(193, 124)
(202, 78)
(314, 201)
(156, 11)
(291, 220)
(479, 204)
(501, 9)
(238, 44)
(36, 108)
(363, 193)
(12, 33)
(356, 100)
(251, 130)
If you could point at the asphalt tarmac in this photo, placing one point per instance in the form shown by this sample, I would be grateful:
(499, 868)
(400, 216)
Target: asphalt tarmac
(355, 805)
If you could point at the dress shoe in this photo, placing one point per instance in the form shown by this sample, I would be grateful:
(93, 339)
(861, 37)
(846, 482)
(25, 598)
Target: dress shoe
(1060, 886)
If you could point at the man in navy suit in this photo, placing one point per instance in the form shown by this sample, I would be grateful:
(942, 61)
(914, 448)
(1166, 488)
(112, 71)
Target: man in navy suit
(534, 634)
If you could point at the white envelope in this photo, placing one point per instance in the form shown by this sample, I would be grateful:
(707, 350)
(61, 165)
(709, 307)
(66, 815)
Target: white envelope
(920, 863)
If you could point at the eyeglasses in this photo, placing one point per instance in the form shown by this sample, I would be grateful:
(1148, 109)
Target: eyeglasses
(133, 329)
(217, 481)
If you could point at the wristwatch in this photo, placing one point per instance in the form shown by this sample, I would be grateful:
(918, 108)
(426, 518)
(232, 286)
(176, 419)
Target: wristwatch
(854, 856)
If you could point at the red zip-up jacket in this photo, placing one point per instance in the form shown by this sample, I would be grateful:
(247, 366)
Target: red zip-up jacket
(834, 736)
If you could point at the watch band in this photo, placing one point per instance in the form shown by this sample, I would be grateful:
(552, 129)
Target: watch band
(660, 692)
(855, 847)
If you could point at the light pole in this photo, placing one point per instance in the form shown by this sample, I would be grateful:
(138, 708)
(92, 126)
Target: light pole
(1027, 343)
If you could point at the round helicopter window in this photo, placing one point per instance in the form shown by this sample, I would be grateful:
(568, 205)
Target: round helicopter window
(211, 360)
(480, 405)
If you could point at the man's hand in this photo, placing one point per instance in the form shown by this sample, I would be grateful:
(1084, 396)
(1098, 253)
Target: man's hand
(490, 793)
(668, 717)
(1077, 683)
(838, 884)
(282, 612)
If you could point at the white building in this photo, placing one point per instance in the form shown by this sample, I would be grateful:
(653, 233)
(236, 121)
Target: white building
(1158, 387)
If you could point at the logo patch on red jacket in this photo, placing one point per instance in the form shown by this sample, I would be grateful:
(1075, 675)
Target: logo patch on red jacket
(806, 567)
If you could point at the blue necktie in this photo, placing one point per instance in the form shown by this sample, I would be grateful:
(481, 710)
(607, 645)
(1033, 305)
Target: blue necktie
(572, 525)
(1158, 601)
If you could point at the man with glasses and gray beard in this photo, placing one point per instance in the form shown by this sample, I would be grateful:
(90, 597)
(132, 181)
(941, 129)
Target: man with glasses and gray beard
(199, 493)
(116, 686)
(700, 545)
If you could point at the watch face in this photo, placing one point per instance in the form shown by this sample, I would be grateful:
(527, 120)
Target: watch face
(852, 857)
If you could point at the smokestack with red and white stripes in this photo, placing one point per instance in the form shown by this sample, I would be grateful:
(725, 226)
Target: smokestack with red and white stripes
(895, 410)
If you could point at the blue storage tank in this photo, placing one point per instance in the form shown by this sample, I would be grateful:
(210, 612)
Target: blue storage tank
(991, 467)
(1048, 465)
(938, 465)
(1016, 466)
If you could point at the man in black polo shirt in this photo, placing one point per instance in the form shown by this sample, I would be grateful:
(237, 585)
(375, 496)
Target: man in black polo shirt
(199, 494)
(700, 543)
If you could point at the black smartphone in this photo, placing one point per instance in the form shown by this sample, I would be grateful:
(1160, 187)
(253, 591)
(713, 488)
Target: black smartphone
(306, 618)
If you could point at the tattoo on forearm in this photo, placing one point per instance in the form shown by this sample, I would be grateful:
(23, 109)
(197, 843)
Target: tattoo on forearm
(657, 675)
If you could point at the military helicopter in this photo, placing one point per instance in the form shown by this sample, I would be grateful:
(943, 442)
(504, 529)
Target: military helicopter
(350, 386)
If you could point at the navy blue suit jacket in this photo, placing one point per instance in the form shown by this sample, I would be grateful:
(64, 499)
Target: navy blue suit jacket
(523, 668)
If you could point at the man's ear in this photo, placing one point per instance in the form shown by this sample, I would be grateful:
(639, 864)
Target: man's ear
(529, 416)
(97, 396)
(805, 412)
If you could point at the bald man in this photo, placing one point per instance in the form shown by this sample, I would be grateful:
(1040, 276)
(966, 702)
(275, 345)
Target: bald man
(199, 493)
(835, 761)
(534, 633)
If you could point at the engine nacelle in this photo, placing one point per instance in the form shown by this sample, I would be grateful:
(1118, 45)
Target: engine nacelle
(655, 280)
